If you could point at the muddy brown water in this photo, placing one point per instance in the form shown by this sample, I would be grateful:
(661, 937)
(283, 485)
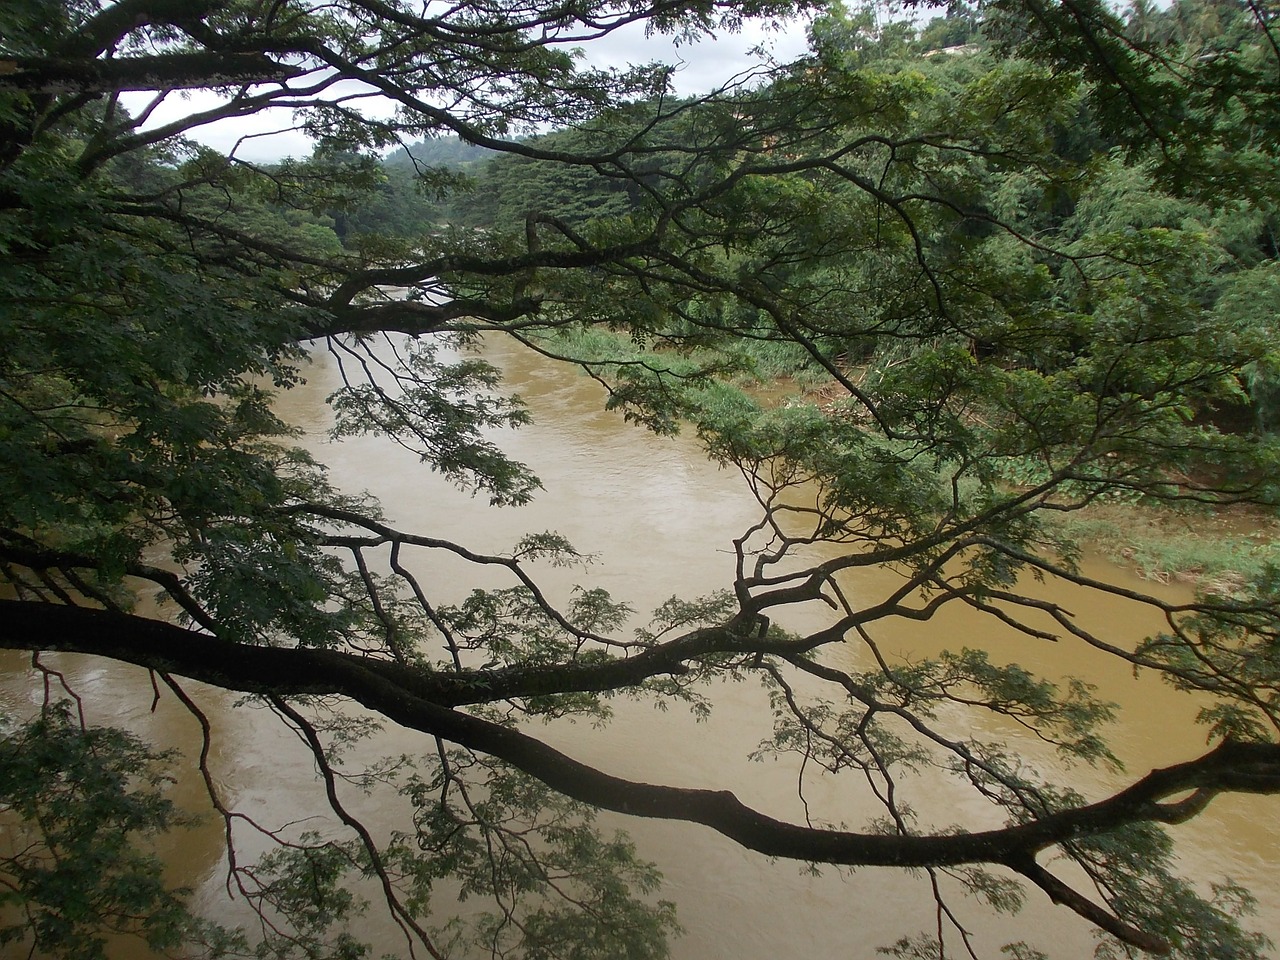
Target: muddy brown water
(659, 519)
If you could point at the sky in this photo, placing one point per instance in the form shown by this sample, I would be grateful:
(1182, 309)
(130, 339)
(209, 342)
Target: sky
(701, 66)
(706, 64)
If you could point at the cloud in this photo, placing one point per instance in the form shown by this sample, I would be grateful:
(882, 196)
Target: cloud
(700, 66)
(258, 138)
(706, 63)
(264, 136)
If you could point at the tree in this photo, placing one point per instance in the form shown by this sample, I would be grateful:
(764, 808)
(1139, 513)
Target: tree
(919, 234)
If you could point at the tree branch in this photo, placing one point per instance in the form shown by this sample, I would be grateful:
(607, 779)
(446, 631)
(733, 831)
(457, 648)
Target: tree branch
(170, 71)
(1064, 894)
(395, 692)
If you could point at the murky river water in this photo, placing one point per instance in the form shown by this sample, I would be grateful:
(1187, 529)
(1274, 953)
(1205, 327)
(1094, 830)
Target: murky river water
(660, 518)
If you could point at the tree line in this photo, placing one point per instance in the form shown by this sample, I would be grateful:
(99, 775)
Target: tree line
(949, 51)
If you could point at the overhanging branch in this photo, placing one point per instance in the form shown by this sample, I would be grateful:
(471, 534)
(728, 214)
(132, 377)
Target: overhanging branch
(171, 71)
(397, 693)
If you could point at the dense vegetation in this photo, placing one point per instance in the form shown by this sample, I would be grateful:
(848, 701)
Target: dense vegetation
(1048, 256)
(1121, 192)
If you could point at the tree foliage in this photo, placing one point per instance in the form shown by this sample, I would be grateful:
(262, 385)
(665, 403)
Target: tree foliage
(82, 800)
(1032, 275)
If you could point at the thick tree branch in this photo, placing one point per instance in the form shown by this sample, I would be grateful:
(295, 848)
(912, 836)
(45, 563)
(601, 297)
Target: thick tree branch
(392, 691)
(110, 25)
(171, 71)
(1064, 894)
(154, 643)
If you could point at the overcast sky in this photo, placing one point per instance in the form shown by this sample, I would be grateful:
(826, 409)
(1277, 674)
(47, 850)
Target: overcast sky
(699, 67)
(704, 65)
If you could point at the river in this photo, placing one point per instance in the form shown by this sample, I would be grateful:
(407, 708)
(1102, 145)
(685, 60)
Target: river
(659, 518)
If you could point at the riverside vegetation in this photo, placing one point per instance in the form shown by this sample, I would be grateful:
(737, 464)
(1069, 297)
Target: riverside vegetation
(1027, 249)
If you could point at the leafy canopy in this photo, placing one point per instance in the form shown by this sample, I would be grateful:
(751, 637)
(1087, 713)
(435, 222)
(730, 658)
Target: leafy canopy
(1026, 252)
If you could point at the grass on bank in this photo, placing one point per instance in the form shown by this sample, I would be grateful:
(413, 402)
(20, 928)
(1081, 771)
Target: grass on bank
(1218, 552)
(1215, 551)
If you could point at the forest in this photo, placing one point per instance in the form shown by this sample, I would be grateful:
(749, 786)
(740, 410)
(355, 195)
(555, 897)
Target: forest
(1018, 258)
(1121, 193)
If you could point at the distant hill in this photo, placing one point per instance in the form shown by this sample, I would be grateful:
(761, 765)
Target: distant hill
(438, 152)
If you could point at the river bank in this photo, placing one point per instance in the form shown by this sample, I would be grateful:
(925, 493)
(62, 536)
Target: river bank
(1211, 548)
(1216, 552)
